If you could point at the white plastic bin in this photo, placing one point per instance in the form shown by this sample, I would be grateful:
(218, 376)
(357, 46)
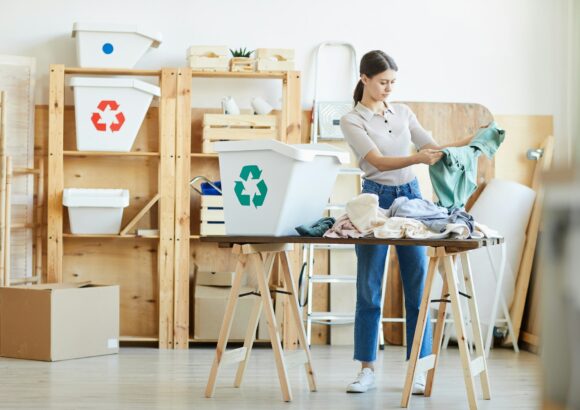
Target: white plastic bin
(269, 187)
(95, 211)
(112, 45)
(110, 111)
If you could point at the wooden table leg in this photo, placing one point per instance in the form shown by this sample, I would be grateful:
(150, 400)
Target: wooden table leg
(479, 364)
(451, 276)
(425, 363)
(271, 319)
(226, 326)
(437, 336)
(253, 324)
(262, 257)
(298, 323)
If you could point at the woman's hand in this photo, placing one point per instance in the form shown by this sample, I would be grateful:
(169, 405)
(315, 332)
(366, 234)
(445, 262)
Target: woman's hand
(467, 140)
(428, 156)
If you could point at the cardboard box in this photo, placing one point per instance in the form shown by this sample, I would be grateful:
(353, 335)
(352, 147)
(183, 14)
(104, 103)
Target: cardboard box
(279, 303)
(209, 310)
(206, 278)
(59, 321)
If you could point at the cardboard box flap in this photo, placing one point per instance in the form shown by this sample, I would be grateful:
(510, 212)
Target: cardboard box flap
(217, 292)
(56, 286)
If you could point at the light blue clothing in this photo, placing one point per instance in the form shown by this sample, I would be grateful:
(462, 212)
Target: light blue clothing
(433, 216)
(454, 178)
(416, 208)
(370, 271)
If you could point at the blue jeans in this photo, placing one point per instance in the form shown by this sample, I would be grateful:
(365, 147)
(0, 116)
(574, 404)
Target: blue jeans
(370, 271)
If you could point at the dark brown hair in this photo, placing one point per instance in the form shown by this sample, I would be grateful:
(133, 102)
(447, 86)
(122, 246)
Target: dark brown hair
(371, 64)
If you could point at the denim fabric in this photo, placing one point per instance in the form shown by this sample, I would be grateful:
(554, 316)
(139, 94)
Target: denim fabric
(370, 271)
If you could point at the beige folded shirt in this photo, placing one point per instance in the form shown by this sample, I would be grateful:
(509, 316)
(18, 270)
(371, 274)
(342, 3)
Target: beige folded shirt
(391, 133)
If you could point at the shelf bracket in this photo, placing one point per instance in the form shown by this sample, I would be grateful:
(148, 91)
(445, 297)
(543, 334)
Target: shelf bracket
(140, 215)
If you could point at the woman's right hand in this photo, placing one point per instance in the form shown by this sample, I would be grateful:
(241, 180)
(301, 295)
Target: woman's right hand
(428, 156)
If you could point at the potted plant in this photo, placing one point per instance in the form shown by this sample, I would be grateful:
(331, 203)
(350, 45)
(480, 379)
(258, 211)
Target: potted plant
(241, 60)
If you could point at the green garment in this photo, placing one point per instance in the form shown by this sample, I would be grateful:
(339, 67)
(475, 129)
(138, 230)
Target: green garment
(454, 178)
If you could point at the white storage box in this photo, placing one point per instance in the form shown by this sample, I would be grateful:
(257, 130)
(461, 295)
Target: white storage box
(269, 187)
(109, 111)
(95, 211)
(112, 45)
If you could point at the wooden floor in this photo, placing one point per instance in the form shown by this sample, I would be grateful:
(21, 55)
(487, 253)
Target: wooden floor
(147, 378)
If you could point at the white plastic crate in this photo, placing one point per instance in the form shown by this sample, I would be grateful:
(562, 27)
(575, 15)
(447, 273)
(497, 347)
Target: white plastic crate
(112, 45)
(95, 211)
(110, 111)
(269, 187)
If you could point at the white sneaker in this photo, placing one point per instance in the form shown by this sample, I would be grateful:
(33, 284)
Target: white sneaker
(364, 381)
(419, 385)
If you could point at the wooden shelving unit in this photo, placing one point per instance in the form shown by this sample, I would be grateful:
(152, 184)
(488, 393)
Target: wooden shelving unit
(153, 272)
(142, 266)
(190, 253)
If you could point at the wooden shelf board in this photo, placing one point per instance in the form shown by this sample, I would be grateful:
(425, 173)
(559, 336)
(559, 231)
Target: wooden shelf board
(138, 339)
(201, 155)
(109, 154)
(106, 236)
(111, 71)
(228, 74)
(193, 340)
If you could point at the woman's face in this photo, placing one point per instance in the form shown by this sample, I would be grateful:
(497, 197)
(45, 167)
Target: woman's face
(380, 85)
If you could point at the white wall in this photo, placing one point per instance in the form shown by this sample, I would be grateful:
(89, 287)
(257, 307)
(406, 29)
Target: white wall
(510, 55)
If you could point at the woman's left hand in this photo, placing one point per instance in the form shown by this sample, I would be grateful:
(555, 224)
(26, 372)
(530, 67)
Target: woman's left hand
(467, 140)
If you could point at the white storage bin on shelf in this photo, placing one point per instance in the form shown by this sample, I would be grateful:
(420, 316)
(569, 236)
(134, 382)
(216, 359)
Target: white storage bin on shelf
(112, 45)
(95, 211)
(270, 188)
(109, 111)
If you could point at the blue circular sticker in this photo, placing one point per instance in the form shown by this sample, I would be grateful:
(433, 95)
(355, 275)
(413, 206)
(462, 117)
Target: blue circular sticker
(108, 48)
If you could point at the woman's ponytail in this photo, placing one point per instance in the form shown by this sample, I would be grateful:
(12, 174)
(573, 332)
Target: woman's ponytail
(358, 92)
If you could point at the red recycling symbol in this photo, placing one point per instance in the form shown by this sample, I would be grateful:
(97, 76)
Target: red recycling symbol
(102, 126)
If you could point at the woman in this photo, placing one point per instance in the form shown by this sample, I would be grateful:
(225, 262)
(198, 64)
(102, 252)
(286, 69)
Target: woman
(380, 134)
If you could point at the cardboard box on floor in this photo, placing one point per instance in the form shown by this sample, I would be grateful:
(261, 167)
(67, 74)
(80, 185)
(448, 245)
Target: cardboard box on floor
(278, 301)
(209, 310)
(59, 321)
(211, 278)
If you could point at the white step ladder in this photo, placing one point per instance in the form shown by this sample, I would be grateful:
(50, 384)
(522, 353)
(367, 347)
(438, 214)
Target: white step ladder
(326, 126)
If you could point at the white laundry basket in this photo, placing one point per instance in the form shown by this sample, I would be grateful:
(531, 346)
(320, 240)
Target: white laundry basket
(110, 111)
(95, 211)
(112, 45)
(270, 188)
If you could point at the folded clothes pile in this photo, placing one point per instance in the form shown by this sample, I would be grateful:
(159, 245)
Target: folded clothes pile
(406, 218)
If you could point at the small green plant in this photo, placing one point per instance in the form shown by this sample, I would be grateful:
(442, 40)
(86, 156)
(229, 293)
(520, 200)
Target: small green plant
(241, 52)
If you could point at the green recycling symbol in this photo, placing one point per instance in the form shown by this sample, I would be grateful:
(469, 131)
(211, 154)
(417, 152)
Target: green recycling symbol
(260, 191)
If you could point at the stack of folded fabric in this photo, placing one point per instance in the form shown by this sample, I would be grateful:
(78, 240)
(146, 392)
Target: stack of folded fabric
(406, 218)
